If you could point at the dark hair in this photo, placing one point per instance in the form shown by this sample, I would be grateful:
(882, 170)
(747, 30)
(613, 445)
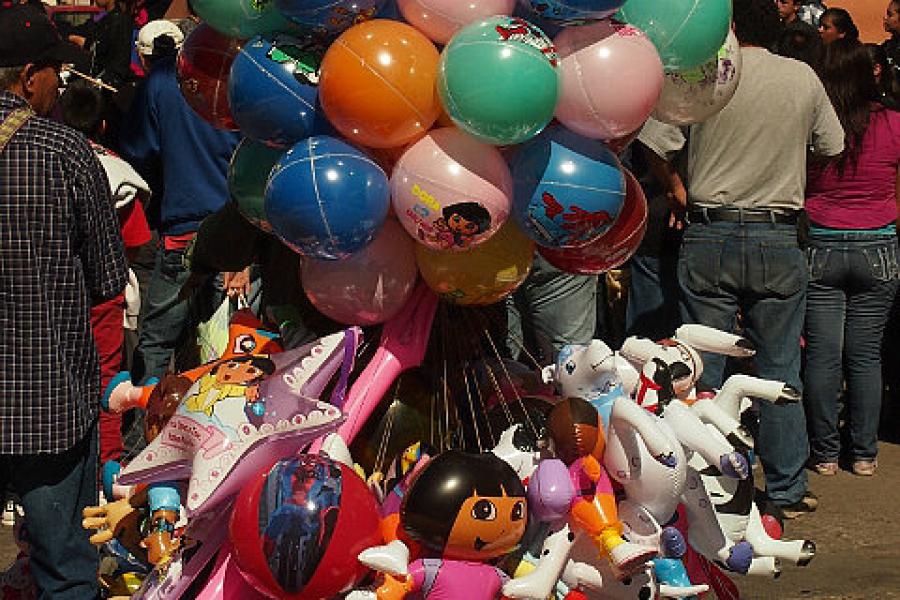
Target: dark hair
(430, 507)
(82, 108)
(800, 44)
(843, 22)
(260, 362)
(848, 76)
(756, 22)
(888, 82)
(163, 47)
(470, 211)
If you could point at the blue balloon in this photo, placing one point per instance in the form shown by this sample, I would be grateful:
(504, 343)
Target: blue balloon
(326, 199)
(568, 190)
(572, 12)
(273, 90)
(329, 16)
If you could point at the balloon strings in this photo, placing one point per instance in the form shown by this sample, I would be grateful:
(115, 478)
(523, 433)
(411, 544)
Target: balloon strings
(472, 410)
(520, 342)
(388, 430)
(484, 409)
(511, 383)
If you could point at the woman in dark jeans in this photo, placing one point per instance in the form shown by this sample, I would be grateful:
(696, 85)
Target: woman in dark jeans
(852, 255)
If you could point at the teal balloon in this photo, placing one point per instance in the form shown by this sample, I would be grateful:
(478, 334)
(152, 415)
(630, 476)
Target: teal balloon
(247, 175)
(687, 33)
(243, 18)
(498, 80)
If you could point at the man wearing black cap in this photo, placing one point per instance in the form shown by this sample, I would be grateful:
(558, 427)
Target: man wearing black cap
(60, 250)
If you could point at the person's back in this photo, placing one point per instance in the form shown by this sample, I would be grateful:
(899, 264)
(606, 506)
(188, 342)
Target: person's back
(194, 154)
(863, 195)
(60, 251)
(753, 152)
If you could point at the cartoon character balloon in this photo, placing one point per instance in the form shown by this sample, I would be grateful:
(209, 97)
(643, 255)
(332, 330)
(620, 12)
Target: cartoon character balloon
(450, 190)
(240, 413)
(468, 508)
(298, 526)
(569, 190)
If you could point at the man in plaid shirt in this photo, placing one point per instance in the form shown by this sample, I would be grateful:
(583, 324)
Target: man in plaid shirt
(60, 250)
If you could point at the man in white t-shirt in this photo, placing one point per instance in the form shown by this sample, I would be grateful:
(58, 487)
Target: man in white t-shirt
(745, 189)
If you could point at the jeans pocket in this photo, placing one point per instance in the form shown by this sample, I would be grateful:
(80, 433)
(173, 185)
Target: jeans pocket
(700, 264)
(784, 269)
(817, 260)
(172, 264)
(882, 261)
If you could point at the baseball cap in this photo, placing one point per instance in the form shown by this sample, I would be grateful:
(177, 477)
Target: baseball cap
(154, 29)
(28, 36)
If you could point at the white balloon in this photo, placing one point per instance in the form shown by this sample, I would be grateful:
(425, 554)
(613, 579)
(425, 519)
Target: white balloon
(694, 95)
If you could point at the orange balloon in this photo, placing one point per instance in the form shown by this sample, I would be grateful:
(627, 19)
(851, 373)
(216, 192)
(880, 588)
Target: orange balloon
(483, 275)
(377, 84)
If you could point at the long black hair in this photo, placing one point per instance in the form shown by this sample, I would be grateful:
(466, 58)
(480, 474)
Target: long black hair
(848, 75)
(888, 82)
(843, 22)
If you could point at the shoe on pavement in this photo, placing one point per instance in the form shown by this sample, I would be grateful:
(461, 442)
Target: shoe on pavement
(826, 469)
(864, 468)
(807, 504)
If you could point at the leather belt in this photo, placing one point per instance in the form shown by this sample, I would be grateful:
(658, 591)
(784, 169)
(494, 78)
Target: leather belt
(740, 215)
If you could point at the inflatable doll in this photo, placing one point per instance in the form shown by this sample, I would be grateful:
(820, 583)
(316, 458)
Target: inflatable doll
(468, 509)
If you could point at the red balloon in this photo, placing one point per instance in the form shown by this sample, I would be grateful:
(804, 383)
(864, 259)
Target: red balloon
(203, 66)
(299, 525)
(613, 248)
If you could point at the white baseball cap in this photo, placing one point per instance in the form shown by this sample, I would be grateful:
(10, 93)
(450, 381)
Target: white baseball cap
(153, 30)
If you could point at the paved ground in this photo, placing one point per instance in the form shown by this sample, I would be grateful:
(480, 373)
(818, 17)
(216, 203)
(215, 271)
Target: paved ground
(856, 531)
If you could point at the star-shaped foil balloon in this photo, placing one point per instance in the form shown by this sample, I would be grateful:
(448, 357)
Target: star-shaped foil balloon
(243, 413)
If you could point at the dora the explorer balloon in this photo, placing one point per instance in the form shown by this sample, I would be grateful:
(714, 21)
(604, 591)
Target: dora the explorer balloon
(469, 509)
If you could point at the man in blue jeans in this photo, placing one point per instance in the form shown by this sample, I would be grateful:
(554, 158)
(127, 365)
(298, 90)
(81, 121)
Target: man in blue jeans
(745, 189)
(60, 251)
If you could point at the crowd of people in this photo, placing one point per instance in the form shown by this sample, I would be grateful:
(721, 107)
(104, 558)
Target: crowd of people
(777, 217)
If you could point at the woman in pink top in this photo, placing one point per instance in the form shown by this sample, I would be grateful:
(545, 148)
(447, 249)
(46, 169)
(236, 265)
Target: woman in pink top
(852, 255)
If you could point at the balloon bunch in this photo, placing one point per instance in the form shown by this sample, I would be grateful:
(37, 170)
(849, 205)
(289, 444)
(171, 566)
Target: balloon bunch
(447, 118)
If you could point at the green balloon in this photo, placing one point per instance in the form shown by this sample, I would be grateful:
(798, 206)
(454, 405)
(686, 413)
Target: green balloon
(498, 80)
(242, 18)
(687, 33)
(247, 176)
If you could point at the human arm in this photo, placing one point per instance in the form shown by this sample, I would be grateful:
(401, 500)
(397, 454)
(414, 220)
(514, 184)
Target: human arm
(826, 134)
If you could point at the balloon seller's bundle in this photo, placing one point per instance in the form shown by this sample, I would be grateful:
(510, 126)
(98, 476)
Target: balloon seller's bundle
(419, 156)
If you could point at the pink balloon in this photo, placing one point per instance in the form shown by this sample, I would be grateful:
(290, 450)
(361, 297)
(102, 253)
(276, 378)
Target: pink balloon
(440, 19)
(611, 79)
(370, 286)
(451, 191)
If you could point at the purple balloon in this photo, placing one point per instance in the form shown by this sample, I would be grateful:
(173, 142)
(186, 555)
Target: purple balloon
(550, 490)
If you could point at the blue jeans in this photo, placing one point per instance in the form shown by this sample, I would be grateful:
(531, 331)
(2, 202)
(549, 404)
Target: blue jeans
(652, 310)
(551, 309)
(54, 490)
(759, 270)
(853, 279)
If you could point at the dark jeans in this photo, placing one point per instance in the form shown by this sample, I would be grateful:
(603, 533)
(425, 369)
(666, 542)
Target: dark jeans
(54, 490)
(167, 319)
(759, 270)
(652, 310)
(853, 279)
